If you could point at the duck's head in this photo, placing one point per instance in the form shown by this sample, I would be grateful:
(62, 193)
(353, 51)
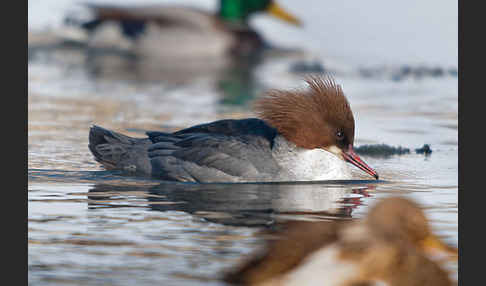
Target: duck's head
(399, 219)
(238, 11)
(319, 117)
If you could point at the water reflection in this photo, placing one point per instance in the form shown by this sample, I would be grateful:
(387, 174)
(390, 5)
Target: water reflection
(238, 85)
(241, 204)
(234, 80)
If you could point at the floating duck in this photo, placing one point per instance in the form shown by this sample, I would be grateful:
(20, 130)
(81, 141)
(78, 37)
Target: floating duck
(181, 33)
(303, 135)
(392, 246)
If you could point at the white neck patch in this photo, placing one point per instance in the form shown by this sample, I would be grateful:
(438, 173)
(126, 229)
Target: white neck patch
(299, 164)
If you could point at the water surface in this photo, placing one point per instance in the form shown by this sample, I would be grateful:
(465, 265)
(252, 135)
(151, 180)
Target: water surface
(88, 226)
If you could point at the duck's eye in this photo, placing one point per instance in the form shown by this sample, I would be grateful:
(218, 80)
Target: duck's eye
(340, 135)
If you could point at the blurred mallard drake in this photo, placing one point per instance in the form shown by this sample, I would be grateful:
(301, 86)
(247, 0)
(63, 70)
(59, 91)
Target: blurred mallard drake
(181, 33)
(393, 246)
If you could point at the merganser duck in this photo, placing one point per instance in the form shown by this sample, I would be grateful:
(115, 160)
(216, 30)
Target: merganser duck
(303, 135)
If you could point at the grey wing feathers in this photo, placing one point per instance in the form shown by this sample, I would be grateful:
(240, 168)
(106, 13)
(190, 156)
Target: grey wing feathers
(204, 157)
(118, 151)
(221, 151)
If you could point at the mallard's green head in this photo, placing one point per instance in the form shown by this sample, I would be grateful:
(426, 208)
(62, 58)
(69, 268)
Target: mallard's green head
(238, 11)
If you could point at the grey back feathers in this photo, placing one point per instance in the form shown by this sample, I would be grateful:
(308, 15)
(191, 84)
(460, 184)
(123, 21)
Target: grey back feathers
(116, 151)
(221, 151)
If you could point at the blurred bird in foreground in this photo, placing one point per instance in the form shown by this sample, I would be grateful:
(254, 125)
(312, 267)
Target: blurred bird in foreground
(392, 246)
(179, 32)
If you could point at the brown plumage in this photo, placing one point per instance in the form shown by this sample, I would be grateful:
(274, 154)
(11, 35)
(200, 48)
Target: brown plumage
(317, 117)
(391, 245)
(399, 218)
(298, 114)
(285, 253)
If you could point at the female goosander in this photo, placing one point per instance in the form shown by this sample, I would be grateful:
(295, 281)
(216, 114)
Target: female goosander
(392, 246)
(302, 135)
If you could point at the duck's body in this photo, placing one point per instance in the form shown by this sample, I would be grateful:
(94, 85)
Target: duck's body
(167, 33)
(175, 33)
(246, 150)
(302, 136)
(339, 253)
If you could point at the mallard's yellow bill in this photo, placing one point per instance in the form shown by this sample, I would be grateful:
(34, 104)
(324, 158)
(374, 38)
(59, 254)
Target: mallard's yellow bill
(280, 13)
(433, 246)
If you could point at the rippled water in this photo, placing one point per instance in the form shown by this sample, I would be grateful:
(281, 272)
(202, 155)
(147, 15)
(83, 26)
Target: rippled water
(87, 226)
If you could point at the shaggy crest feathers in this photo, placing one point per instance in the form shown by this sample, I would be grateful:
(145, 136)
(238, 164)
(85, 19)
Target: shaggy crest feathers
(307, 117)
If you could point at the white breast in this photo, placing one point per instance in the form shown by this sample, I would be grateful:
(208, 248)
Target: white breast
(299, 164)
